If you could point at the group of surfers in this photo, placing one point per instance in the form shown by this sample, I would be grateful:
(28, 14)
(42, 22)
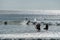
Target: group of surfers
(38, 25)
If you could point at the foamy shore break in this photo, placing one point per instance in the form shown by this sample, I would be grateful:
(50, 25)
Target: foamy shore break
(32, 35)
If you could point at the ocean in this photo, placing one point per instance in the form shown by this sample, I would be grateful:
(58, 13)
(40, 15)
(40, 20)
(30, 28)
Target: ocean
(16, 23)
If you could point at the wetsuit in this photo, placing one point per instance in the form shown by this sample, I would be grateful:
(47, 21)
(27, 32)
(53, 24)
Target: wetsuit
(46, 28)
(5, 23)
(28, 22)
(38, 27)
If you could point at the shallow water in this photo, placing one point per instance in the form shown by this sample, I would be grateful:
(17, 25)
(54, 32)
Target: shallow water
(10, 29)
(14, 25)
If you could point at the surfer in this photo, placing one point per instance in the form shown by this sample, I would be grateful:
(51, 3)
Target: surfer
(5, 23)
(26, 18)
(46, 28)
(38, 27)
(28, 22)
(34, 23)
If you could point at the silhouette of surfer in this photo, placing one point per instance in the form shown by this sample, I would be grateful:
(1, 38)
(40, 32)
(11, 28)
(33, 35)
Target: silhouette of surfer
(5, 22)
(26, 18)
(38, 27)
(46, 27)
(28, 22)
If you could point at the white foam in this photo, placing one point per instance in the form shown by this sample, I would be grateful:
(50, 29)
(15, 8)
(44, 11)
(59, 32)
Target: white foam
(32, 35)
(23, 22)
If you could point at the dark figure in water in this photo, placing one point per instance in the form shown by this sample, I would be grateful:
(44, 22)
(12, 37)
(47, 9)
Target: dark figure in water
(46, 28)
(38, 27)
(34, 23)
(5, 23)
(26, 18)
(28, 22)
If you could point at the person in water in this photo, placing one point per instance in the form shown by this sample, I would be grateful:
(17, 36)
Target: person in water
(38, 27)
(5, 23)
(28, 22)
(46, 28)
(26, 18)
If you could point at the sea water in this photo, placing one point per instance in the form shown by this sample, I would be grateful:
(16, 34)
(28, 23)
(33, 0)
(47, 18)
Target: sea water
(16, 23)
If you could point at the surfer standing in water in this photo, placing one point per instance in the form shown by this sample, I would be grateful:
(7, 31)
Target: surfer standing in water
(46, 28)
(38, 27)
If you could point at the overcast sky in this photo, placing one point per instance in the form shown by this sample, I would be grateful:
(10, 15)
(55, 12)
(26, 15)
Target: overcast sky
(30, 4)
